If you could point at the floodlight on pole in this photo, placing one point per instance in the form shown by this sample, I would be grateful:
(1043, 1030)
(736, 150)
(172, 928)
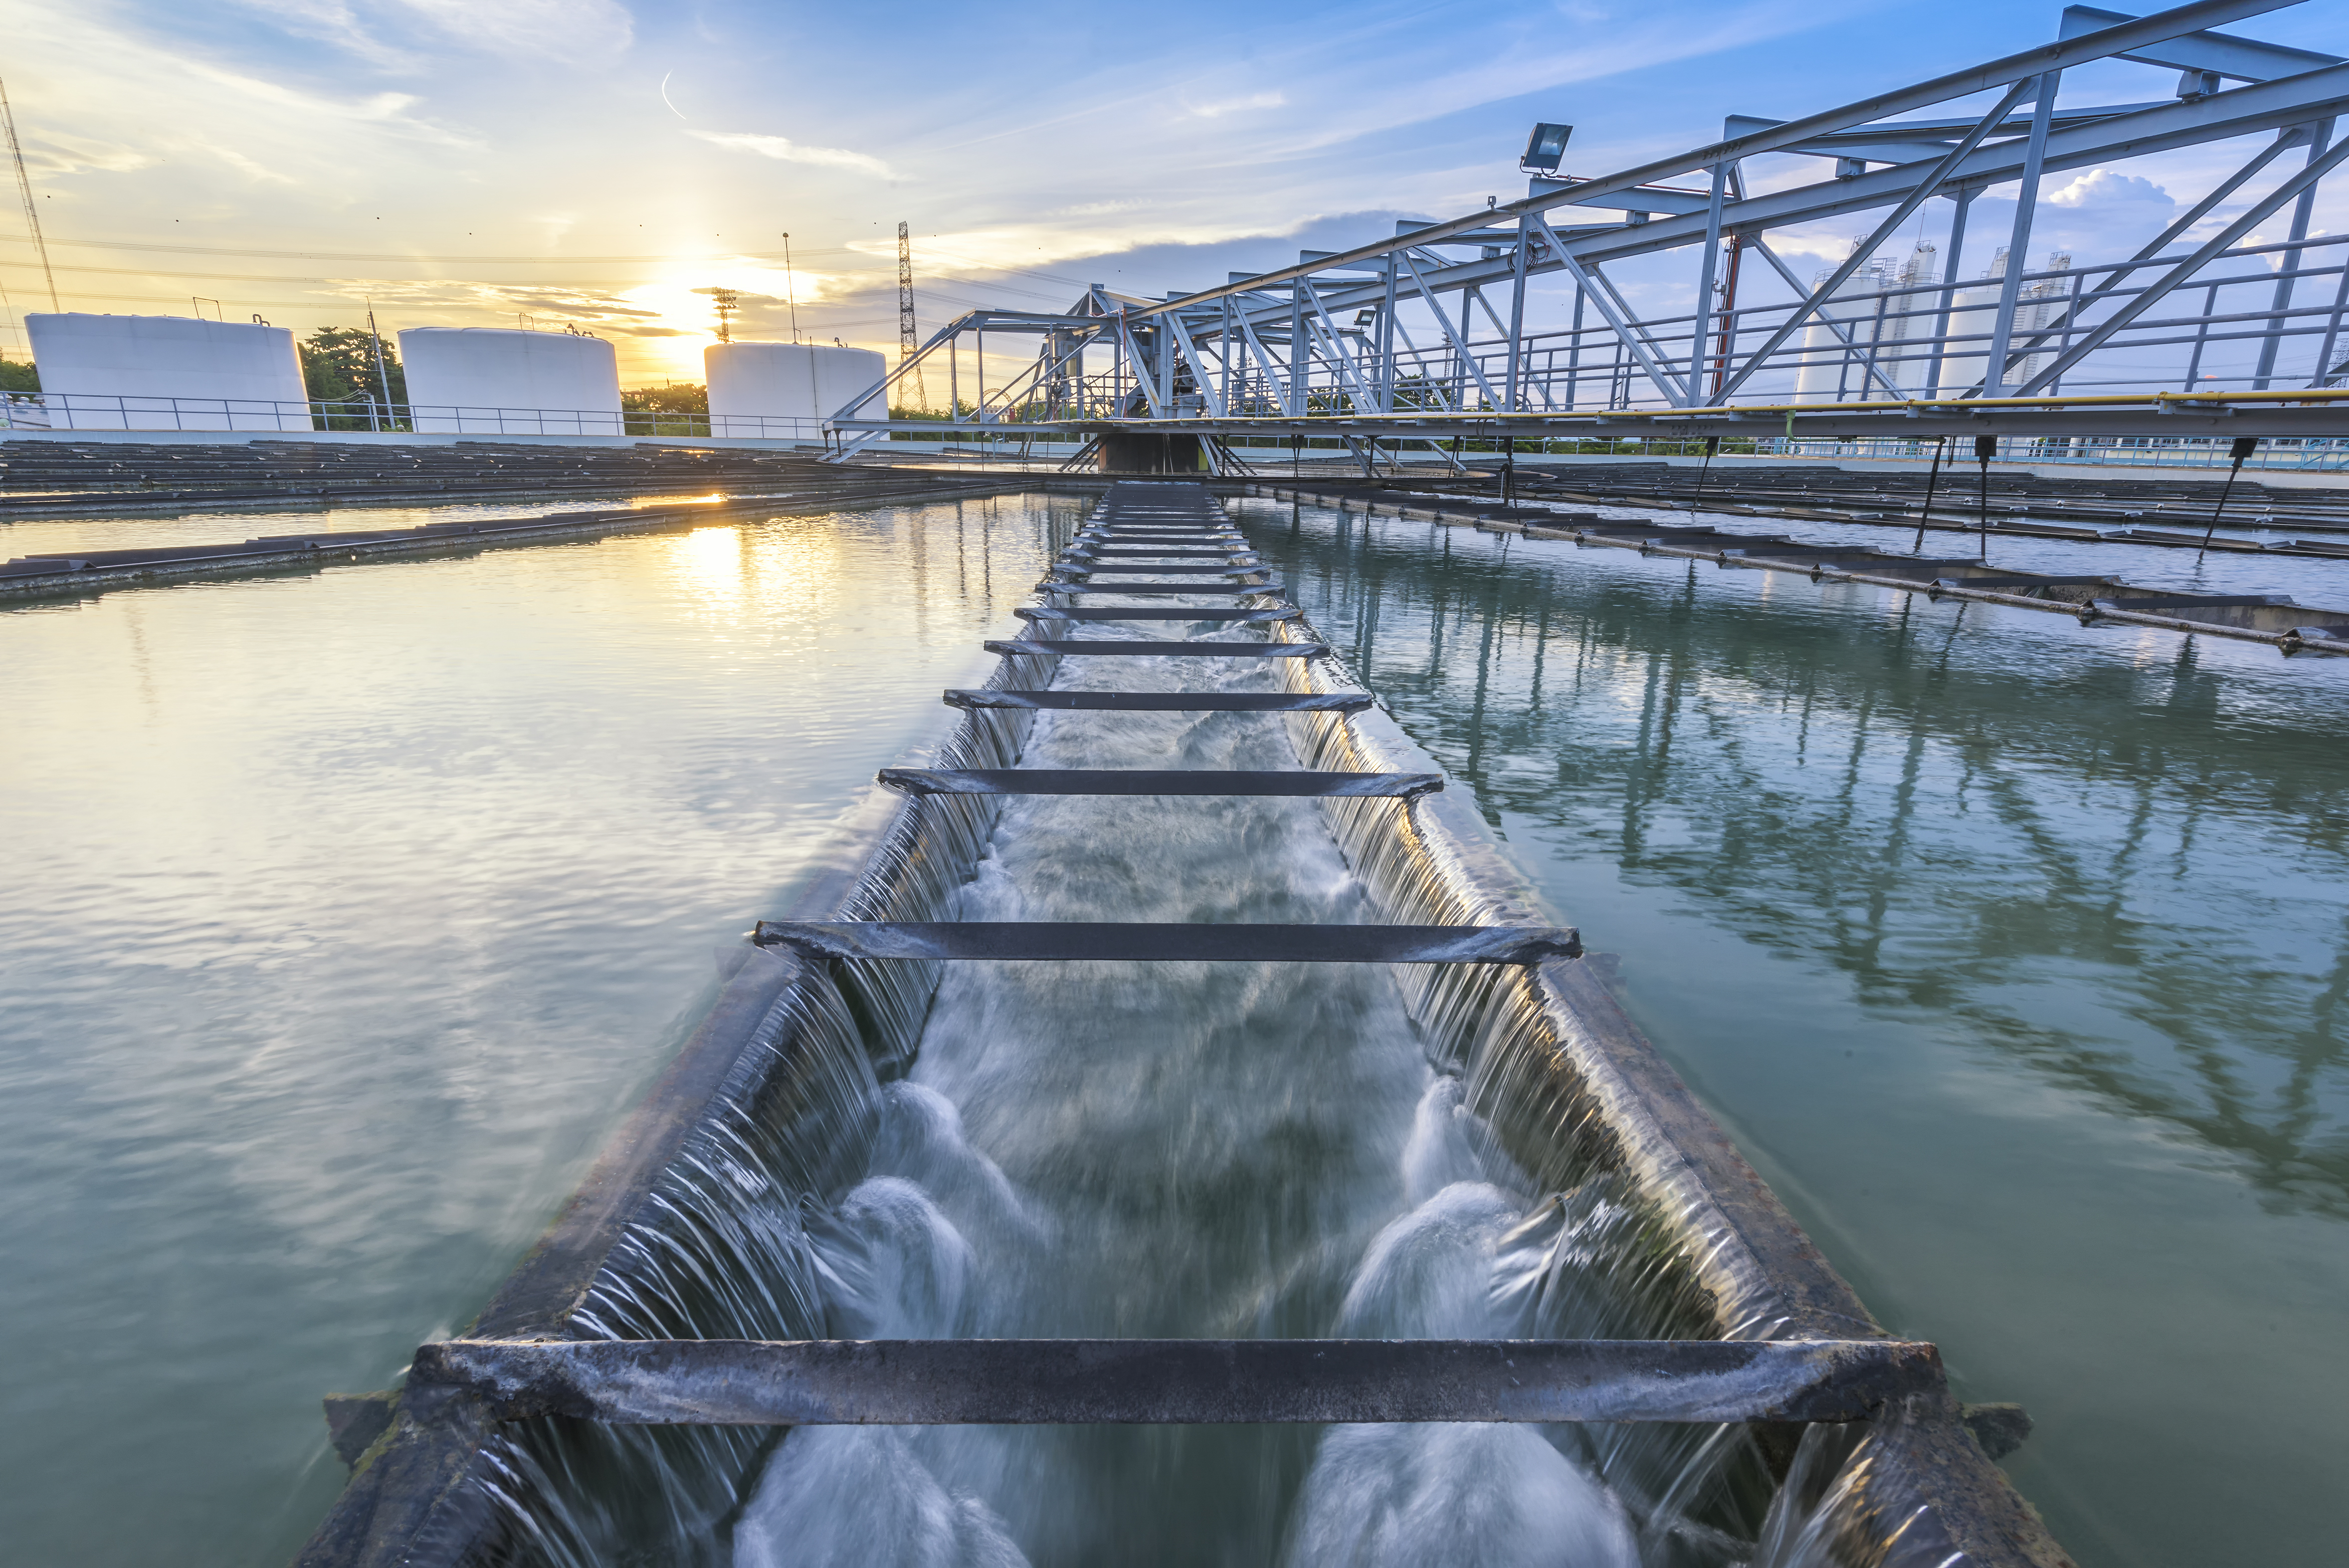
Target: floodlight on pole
(1545, 149)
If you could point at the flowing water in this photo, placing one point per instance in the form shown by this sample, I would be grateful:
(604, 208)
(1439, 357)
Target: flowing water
(348, 910)
(1144, 1150)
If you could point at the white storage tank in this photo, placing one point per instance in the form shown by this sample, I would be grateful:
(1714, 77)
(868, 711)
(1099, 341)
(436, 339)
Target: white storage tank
(1834, 367)
(797, 381)
(166, 373)
(490, 381)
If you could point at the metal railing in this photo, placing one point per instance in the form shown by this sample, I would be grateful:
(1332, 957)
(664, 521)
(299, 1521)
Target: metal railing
(100, 411)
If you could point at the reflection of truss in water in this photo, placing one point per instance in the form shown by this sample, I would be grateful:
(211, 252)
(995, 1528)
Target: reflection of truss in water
(1432, 334)
(2248, 1052)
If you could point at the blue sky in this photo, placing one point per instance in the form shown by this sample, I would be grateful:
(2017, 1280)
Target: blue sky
(611, 158)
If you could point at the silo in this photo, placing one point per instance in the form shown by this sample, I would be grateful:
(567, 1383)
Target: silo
(493, 381)
(167, 373)
(1836, 342)
(1903, 351)
(2048, 308)
(1974, 315)
(801, 381)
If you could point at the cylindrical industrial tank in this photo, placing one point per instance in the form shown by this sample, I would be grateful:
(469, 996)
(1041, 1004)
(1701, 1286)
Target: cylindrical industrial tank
(755, 382)
(1834, 365)
(166, 373)
(490, 381)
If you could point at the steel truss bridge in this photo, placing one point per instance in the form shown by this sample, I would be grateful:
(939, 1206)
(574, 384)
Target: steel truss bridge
(1433, 333)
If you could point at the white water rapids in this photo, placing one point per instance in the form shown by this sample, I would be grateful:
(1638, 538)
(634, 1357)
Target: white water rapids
(1173, 1149)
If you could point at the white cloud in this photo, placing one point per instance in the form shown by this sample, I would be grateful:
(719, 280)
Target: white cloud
(573, 31)
(59, 152)
(2103, 188)
(1232, 106)
(247, 167)
(333, 21)
(791, 151)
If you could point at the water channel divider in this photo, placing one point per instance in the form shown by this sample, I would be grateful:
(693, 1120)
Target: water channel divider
(1166, 552)
(1080, 568)
(1289, 781)
(2273, 619)
(1163, 701)
(88, 571)
(1275, 589)
(1031, 1382)
(1156, 613)
(822, 1001)
(1167, 649)
(1106, 941)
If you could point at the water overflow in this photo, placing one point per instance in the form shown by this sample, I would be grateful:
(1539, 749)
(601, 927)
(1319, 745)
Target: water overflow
(1141, 1149)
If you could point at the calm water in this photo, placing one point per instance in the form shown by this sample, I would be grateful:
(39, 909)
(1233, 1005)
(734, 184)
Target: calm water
(343, 912)
(2016, 956)
(49, 535)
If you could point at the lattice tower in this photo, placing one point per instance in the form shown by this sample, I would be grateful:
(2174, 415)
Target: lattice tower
(907, 332)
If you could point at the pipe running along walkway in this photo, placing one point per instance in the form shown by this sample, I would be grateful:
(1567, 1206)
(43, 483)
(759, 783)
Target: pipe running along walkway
(2276, 619)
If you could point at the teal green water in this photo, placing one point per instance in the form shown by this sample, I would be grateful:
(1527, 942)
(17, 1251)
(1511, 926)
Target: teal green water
(343, 912)
(2015, 956)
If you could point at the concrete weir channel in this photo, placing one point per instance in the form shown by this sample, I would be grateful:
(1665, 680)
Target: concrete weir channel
(651, 1344)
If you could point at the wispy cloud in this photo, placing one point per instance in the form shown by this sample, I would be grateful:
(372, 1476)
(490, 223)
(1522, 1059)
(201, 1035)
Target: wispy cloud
(576, 32)
(59, 154)
(1234, 106)
(791, 152)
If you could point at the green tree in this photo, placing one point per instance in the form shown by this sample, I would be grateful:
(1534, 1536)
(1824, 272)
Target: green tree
(339, 367)
(675, 397)
(17, 376)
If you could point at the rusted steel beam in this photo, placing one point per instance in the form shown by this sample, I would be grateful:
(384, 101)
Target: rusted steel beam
(1022, 1382)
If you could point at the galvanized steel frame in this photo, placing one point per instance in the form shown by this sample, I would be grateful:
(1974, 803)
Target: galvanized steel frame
(1267, 355)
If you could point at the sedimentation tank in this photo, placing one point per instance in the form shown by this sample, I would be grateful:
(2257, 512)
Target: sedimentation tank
(498, 380)
(148, 372)
(1034, 1210)
(790, 380)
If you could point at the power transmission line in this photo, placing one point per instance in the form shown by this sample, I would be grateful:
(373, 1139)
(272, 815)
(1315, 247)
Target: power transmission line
(25, 189)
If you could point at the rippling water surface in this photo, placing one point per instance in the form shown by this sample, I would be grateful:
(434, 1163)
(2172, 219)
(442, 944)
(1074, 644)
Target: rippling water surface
(2015, 955)
(343, 912)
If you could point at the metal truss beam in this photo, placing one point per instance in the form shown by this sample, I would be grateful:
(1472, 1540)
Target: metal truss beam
(1266, 353)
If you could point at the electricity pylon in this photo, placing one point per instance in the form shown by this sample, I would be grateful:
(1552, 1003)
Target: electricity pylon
(907, 332)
